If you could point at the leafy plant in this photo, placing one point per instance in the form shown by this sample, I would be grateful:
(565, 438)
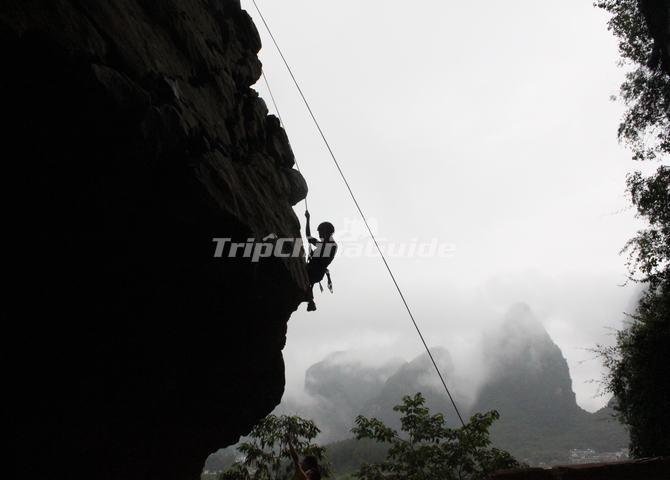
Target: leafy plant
(645, 127)
(428, 449)
(639, 372)
(267, 454)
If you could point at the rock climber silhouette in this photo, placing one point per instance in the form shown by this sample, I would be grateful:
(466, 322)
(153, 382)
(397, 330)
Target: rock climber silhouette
(320, 258)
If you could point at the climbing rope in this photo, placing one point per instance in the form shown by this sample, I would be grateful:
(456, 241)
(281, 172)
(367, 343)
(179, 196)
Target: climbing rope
(281, 120)
(360, 211)
(274, 102)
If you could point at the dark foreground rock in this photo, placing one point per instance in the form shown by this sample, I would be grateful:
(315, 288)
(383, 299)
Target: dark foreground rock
(136, 139)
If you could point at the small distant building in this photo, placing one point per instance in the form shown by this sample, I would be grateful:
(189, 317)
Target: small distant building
(643, 469)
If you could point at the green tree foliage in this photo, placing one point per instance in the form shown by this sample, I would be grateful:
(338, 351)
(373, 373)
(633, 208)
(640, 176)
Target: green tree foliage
(646, 90)
(639, 373)
(639, 370)
(428, 449)
(650, 248)
(266, 454)
(346, 456)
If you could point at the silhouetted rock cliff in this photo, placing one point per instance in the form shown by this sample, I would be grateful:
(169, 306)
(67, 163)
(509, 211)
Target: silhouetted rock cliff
(137, 140)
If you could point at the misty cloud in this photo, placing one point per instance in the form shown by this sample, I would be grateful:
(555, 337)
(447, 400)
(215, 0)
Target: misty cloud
(499, 140)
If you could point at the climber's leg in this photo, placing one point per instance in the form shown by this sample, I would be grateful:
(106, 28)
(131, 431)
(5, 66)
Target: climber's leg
(311, 306)
(314, 276)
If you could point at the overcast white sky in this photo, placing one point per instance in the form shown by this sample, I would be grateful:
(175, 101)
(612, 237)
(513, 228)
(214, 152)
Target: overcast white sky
(486, 125)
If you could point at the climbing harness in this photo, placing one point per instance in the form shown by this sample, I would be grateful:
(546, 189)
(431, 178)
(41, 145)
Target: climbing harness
(360, 211)
(330, 281)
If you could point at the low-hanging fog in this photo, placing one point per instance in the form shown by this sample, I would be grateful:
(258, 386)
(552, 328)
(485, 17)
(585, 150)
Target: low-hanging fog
(487, 126)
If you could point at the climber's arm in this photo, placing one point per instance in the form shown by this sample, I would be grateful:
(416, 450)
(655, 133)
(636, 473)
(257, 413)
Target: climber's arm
(299, 473)
(308, 231)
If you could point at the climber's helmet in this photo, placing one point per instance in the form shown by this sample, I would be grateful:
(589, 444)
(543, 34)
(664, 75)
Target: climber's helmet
(326, 230)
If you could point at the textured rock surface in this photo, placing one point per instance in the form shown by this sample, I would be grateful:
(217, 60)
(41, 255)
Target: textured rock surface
(138, 139)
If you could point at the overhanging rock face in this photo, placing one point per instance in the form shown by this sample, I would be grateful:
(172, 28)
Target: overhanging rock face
(137, 140)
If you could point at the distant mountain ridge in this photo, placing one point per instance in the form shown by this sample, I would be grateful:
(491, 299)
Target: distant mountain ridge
(528, 382)
(416, 376)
